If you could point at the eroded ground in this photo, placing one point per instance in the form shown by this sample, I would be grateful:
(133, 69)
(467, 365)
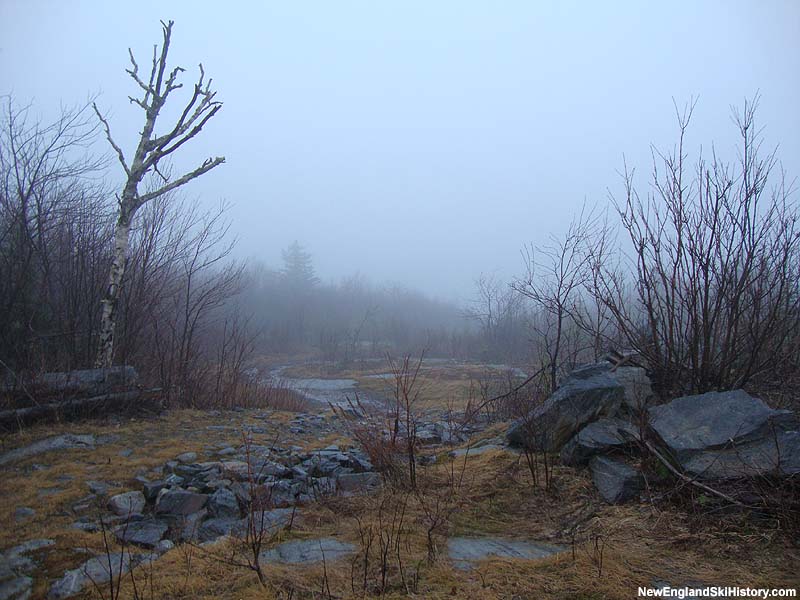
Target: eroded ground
(608, 550)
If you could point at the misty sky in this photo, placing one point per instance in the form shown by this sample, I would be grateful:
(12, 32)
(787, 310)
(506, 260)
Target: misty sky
(420, 142)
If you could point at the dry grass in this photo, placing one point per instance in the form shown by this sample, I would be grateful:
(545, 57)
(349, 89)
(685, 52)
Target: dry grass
(641, 543)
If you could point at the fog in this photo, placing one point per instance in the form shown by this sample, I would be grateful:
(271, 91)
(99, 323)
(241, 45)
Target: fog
(417, 142)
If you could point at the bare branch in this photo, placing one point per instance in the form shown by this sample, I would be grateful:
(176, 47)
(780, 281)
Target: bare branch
(207, 165)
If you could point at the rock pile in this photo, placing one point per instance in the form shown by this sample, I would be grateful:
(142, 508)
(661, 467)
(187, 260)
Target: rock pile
(600, 415)
(201, 501)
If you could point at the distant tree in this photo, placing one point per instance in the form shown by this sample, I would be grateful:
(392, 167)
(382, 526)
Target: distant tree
(298, 267)
(151, 149)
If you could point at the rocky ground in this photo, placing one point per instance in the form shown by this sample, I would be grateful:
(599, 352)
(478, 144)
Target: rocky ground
(167, 502)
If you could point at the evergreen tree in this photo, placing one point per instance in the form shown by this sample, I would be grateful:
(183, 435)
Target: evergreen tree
(298, 267)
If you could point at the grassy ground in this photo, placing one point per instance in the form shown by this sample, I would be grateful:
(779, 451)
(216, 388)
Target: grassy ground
(610, 550)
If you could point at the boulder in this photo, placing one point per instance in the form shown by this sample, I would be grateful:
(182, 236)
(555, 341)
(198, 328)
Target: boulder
(616, 481)
(223, 503)
(586, 396)
(128, 503)
(728, 435)
(599, 437)
(180, 502)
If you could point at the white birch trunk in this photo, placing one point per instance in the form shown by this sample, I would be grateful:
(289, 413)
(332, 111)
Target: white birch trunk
(108, 317)
(149, 151)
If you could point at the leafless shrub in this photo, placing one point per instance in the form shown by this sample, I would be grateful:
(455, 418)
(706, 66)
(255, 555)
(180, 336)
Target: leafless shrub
(379, 566)
(713, 302)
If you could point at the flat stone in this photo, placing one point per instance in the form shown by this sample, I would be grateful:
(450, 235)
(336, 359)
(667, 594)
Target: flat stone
(94, 571)
(52, 444)
(127, 503)
(616, 481)
(475, 451)
(147, 533)
(23, 513)
(297, 552)
(464, 552)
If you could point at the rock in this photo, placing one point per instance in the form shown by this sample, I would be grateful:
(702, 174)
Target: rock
(126, 453)
(15, 563)
(465, 551)
(23, 513)
(147, 533)
(164, 546)
(93, 572)
(226, 451)
(87, 526)
(356, 482)
(271, 521)
(190, 525)
(99, 488)
(151, 489)
(127, 503)
(599, 437)
(52, 444)
(223, 503)
(186, 457)
(616, 481)
(180, 502)
(728, 435)
(16, 588)
(585, 396)
(477, 451)
(308, 551)
(212, 529)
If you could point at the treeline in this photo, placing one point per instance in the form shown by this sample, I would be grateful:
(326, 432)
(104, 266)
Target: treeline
(699, 275)
(191, 318)
(347, 320)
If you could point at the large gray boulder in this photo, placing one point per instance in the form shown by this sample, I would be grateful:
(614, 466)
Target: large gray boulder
(616, 481)
(600, 437)
(728, 435)
(588, 394)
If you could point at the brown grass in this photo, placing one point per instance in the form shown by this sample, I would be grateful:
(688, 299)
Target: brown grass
(640, 542)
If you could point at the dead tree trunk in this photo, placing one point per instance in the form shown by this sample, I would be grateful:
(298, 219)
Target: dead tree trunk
(150, 150)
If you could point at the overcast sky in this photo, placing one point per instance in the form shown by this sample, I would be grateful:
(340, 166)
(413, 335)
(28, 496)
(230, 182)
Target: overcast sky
(420, 142)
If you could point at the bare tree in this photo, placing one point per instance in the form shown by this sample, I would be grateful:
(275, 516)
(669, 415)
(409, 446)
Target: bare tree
(151, 149)
(713, 302)
(555, 277)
